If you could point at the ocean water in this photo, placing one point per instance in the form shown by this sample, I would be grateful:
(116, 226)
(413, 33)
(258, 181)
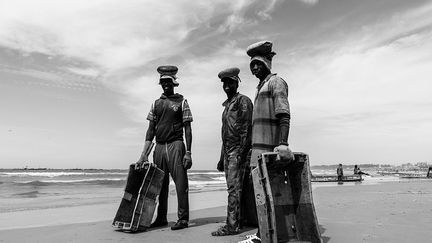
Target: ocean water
(22, 190)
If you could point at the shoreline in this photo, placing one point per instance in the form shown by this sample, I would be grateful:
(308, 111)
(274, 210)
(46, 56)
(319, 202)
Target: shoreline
(388, 211)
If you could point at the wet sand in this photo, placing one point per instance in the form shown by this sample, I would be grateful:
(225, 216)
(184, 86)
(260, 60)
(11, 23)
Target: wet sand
(395, 211)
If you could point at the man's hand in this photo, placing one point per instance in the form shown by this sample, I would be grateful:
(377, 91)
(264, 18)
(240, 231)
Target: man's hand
(220, 166)
(141, 161)
(144, 165)
(148, 145)
(187, 160)
(285, 153)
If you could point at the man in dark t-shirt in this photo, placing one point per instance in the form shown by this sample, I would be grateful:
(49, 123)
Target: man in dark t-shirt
(168, 117)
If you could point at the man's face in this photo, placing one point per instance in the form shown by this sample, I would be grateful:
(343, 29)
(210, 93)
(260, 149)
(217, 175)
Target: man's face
(230, 86)
(167, 86)
(258, 69)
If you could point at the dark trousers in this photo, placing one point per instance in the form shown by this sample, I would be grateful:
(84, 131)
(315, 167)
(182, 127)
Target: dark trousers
(248, 213)
(169, 158)
(234, 174)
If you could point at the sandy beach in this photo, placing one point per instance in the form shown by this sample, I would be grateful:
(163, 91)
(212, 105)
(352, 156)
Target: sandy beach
(87, 86)
(382, 211)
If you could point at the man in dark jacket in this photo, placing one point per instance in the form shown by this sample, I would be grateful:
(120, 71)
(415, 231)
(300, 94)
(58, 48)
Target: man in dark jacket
(236, 143)
(169, 115)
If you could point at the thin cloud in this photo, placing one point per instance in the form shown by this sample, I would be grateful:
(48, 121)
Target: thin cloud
(309, 2)
(52, 78)
(266, 11)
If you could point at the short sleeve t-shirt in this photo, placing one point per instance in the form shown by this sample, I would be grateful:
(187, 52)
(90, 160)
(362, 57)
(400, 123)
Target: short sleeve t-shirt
(170, 114)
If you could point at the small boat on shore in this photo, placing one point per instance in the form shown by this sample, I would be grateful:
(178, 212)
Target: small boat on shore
(417, 175)
(334, 178)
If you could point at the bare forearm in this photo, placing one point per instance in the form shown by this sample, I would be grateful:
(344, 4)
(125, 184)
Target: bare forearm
(221, 153)
(149, 138)
(150, 132)
(188, 136)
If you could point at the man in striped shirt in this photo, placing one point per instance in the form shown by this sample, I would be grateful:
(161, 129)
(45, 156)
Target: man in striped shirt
(271, 113)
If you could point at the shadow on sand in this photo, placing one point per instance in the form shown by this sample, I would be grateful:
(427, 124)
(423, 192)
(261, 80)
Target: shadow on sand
(207, 220)
(193, 223)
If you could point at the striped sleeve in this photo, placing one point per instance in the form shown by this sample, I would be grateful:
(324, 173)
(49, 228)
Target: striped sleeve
(151, 115)
(279, 90)
(187, 114)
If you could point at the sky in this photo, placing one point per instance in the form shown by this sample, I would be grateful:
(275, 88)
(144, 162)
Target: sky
(77, 78)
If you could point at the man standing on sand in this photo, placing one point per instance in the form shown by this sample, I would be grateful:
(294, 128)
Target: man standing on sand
(271, 113)
(236, 143)
(169, 115)
(339, 172)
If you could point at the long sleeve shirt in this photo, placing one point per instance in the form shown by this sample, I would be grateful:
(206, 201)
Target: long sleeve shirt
(237, 124)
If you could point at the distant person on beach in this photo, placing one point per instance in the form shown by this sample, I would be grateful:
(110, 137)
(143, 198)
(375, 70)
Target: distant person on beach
(429, 172)
(339, 172)
(168, 116)
(236, 143)
(271, 112)
(357, 171)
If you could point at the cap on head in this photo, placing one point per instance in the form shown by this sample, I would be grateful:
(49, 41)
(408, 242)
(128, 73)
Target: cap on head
(261, 51)
(168, 72)
(231, 73)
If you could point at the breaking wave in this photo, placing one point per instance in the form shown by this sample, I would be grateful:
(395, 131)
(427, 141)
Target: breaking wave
(98, 181)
